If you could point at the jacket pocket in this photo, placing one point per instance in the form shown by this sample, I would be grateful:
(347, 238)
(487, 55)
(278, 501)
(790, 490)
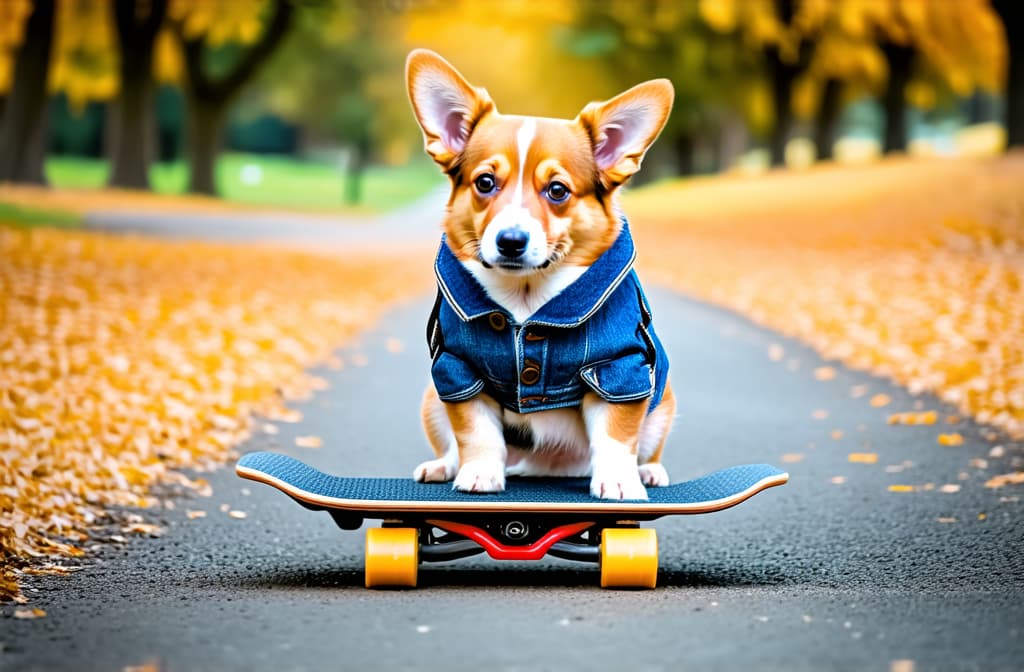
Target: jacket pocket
(626, 378)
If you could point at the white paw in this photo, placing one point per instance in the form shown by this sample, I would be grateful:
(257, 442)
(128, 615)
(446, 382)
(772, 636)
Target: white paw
(623, 484)
(653, 474)
(481, 476)
(440, 470)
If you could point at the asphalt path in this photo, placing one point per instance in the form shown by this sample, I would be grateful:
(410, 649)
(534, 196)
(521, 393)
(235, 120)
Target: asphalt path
(832, 571)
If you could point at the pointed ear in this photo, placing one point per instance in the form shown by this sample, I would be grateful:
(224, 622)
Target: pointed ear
(623, 128)
(446, 106)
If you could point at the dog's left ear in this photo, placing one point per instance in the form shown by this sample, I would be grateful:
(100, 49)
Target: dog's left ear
(623, 128)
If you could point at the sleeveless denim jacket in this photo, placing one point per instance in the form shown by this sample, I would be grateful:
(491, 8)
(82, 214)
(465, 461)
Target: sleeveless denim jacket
(595, 335)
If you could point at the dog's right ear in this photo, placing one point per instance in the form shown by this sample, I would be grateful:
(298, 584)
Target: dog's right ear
(446, 106)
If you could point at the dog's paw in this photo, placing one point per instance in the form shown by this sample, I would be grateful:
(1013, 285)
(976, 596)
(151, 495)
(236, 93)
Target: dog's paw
(440, 470)
(653, 474)
(617, 485)
(481, 476)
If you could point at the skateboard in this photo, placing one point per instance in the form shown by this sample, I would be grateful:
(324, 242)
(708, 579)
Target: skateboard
(533, 517)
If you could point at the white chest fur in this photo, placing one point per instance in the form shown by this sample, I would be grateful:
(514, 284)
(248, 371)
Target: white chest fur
(524, 296)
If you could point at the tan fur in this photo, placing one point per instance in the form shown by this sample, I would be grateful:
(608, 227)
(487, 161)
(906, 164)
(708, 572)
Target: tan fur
(620, 444)
(624, 422)
(666, 409)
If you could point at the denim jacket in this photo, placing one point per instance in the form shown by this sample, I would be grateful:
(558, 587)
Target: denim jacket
(596, 334)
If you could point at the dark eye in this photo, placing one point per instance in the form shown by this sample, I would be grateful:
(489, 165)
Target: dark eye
(485, 183)
(557, 192)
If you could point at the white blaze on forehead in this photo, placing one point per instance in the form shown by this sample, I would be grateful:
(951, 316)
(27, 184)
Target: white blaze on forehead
(515, 214)
(524, 138)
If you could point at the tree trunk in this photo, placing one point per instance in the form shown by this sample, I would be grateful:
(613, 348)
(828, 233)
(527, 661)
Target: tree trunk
(782, 76)
(133, 131)
(355, 168)
(209, 98)
(205, 121)
(1012, 13)
(827, 119)
(900, 59)
(684, 146)
(24, 123)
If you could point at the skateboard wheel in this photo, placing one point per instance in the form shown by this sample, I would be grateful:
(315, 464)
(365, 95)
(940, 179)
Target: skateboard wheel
(392, 556)
(629, 558)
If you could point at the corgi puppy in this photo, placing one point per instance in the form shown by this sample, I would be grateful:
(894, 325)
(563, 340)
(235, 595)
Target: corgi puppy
(545, 358)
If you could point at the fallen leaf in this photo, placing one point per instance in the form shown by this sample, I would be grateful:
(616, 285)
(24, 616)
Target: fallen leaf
(819, 414)
(901, 488)
(309, 442)
(28, 613)
(946, 520)
(863, 458)
(394, 345)
(192, 515)
(776, 353)
(950, 488)
(268, 428)
(837, 480)
(880, 400)
(792, 457)
(824, 373)
(953, 439)
(837, 434)
(237, 514)
(1016, 478)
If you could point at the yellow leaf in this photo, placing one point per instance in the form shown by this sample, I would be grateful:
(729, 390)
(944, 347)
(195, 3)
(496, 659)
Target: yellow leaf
(309, 441)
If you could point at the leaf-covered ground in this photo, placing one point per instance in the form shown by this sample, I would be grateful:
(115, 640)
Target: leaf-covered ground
(912, 270)
(124, 359)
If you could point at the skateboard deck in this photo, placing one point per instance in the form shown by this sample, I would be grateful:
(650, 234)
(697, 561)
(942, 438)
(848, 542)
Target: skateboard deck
(533, 517)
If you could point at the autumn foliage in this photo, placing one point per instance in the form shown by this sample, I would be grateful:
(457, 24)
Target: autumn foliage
(125, 359)
(911, 270)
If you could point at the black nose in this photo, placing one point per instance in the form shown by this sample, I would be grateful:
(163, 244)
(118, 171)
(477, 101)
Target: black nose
(512, 242)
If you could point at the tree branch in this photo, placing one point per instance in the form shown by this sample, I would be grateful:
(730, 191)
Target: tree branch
(229, 85)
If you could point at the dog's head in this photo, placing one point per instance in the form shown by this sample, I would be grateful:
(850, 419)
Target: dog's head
(529, 193)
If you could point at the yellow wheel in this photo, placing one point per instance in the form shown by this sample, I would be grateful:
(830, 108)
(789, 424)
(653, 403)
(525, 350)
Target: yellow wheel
(392, 556)
(629, 558)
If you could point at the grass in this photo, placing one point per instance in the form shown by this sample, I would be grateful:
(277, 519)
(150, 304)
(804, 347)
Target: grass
(22, 216)
(269, 180)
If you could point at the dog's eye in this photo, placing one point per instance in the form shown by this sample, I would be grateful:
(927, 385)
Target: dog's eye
(557, 192)
(485, 183)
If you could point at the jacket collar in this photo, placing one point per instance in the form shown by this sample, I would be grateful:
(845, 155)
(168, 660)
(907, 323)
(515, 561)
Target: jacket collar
(570, 308)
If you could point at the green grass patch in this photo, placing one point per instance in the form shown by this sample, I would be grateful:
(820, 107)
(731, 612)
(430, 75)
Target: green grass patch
(19, 215)
(269, 180)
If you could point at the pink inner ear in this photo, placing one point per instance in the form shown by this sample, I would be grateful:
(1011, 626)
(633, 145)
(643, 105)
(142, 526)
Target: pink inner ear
(453, 132)
(609, 151)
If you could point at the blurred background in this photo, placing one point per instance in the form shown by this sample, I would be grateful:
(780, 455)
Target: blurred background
(302, 102)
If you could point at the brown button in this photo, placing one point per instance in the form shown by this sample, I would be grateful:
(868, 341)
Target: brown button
(530, 373)
(534, 336)
(497, 320)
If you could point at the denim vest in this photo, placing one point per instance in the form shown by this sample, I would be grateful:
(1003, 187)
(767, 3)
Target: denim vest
(594, 335)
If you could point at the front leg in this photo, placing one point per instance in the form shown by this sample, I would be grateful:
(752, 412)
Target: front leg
(614, 432)
(477, 427)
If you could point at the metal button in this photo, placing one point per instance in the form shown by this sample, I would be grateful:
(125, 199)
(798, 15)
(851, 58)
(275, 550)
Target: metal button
(498, 321)
(530, 373)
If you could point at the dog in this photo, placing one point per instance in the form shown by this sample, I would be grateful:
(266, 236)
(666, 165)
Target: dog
(545, 361)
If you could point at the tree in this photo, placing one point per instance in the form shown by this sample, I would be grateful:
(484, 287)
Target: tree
(356, 95)
(223, 48)
(1012, 14)
(131, 118)
(714, 72)
(23, 127)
